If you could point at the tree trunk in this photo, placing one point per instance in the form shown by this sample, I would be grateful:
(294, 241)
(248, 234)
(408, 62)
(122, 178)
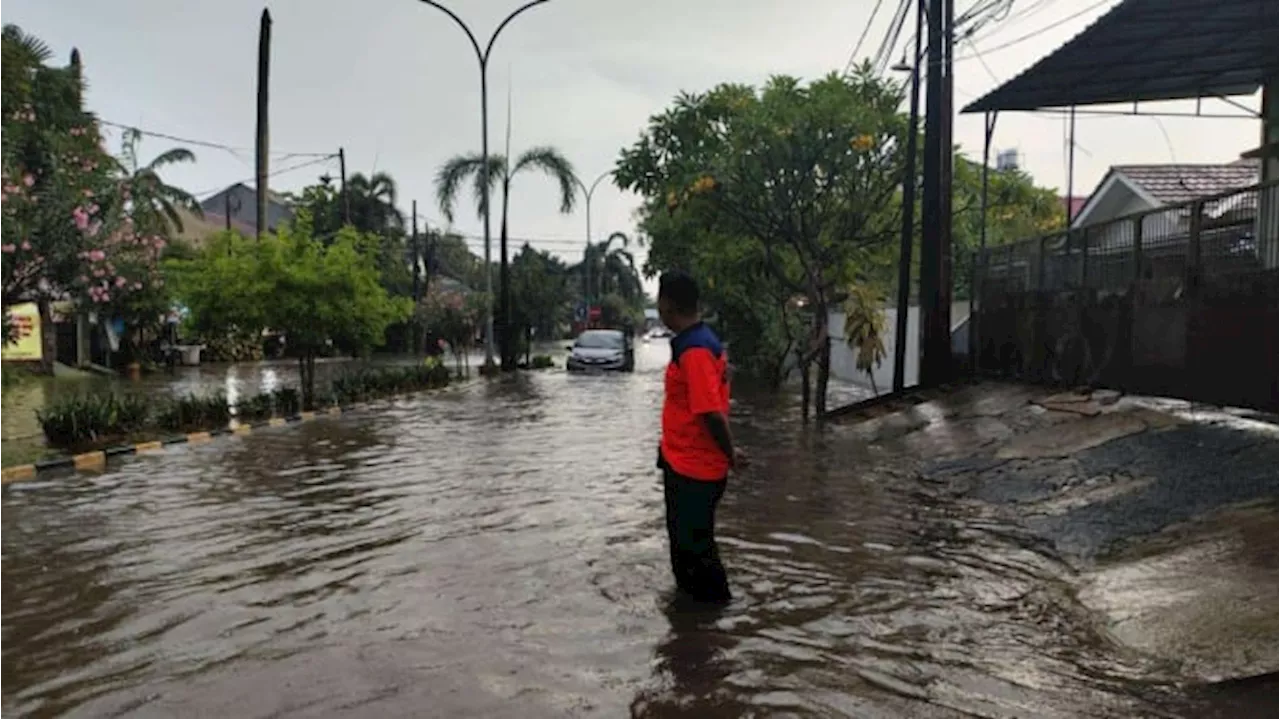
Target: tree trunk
(48, 336)
(802, 363)
(307, 375)
(528, 345)
(824, 378)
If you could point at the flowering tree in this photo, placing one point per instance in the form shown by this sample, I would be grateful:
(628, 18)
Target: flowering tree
(455, 317)
(53, 174)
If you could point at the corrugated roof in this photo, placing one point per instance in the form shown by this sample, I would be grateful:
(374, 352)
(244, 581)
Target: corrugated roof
(1144, 50)
(1171, 184)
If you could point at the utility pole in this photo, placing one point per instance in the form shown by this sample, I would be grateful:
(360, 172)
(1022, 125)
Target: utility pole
(935, 250)
(346, 199)
(226, 206)
(946, 256)
(908, 216)
(417, 277)
(264, 73)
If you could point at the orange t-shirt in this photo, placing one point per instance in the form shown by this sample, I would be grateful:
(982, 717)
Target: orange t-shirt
(697, 383)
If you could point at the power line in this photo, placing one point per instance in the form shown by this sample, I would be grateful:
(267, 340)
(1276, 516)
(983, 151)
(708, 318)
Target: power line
(204, 143)
(281, 171)
(884, 53)
(853, 56)
(1041, 31)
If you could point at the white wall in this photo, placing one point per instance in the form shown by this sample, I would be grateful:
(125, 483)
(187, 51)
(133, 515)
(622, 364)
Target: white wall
(843, 361)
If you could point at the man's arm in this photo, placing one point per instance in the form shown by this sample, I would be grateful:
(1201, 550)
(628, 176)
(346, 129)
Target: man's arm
(718, 425)
(706, 397)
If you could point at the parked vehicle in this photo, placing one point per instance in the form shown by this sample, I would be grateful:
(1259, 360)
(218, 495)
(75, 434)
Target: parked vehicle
(610, 350)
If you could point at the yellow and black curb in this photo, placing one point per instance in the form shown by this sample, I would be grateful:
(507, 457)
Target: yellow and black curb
(97, 461)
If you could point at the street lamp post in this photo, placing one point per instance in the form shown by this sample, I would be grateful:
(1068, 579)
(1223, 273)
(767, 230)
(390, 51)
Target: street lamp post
(482, 56)
(587, 192)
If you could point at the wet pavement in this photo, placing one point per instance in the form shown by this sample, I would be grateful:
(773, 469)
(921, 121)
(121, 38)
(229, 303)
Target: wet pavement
(497, 550)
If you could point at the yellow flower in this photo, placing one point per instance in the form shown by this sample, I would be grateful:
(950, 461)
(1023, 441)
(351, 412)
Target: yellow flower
(862, 142)
(706, 183)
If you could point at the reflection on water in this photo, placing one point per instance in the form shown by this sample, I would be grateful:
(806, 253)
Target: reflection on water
(497, 550)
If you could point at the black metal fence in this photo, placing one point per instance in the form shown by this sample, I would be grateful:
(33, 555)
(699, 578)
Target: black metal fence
(1179, 301)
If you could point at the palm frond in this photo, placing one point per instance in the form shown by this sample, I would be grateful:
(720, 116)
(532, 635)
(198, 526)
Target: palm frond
(33, 50)
(453, 173)
(557, 166)
(171, 157)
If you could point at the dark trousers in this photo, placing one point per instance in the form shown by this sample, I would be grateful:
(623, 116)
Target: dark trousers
(691, 531)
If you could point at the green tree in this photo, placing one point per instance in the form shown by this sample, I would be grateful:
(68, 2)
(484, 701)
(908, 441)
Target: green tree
(809, 173)
(317, 294)
(540, 294)
(153, 204)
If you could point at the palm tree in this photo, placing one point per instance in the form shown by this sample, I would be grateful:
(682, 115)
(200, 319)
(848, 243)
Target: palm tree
(154, 203)
(456, 171)
(611, 269)
(373, 203)
(500, 173)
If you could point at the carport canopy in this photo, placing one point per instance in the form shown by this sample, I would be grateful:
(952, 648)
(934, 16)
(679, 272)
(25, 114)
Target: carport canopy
(1147, 50)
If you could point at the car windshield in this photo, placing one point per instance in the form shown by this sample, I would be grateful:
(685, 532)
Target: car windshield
(600, 340)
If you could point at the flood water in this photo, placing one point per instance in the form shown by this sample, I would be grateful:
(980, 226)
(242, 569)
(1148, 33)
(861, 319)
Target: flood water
(498, 550)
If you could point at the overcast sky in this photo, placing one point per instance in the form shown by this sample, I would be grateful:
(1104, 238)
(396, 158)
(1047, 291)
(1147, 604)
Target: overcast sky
(395, 82)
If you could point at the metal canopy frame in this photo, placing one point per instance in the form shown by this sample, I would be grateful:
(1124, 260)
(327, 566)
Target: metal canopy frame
(1148, 50)
(1140, 51)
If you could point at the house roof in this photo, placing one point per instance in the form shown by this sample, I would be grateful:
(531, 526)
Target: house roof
(196, 229)
(272, 196)
(1144, 50)
(1171, 184)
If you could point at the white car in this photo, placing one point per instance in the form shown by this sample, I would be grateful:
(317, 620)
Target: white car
(602, 350)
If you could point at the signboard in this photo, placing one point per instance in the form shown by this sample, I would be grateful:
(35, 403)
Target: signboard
(26, 322)
(580, 313)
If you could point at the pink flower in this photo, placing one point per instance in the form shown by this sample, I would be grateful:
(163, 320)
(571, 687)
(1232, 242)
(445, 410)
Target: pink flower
(121, 282)
(84, 279)
(137, 285)
(88, 192)
(97, 255)
(159, 243)
(99, 272)
(7, 249)
(81, 218)
(28, 179)
(26, 244)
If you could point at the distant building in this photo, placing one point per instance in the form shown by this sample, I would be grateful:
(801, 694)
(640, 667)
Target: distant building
(239, 201)
(1007, 160)
(1128, 189)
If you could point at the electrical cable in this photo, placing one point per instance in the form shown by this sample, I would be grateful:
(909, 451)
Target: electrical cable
(1023, 38)
(203, 143)
(853, 56)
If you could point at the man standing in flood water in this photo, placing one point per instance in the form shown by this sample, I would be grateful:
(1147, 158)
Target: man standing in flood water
(697, 451)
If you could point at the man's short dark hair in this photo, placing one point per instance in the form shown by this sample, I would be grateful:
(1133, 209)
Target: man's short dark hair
(680, 289)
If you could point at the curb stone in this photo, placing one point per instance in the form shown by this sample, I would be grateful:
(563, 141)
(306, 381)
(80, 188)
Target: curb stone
(96, 461)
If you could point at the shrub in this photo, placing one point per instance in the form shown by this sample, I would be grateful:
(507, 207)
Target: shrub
(542, 362)
(255, 408)
(367, 384)
(287, 401)
(83, 419)
(192, 413)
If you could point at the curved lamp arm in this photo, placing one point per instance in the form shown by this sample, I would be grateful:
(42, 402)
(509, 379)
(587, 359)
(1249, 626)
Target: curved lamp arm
(485, 58)
(470, 36)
